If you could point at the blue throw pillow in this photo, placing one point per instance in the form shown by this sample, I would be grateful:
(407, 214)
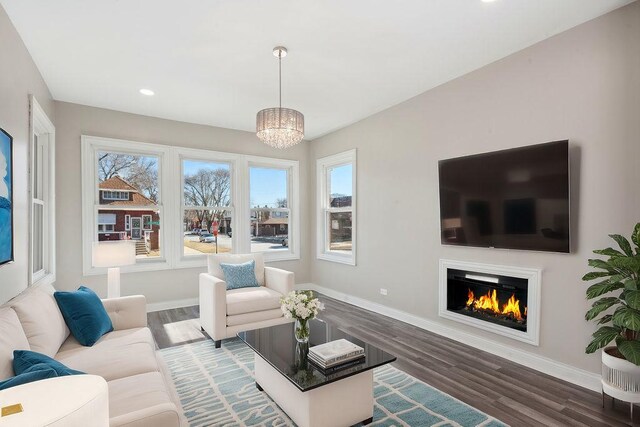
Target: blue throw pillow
(36, 372)
(240, 275)
(84, 314)
(23, 360)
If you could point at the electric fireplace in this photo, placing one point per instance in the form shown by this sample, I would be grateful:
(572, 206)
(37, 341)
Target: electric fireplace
(503, 300)
(498, 299)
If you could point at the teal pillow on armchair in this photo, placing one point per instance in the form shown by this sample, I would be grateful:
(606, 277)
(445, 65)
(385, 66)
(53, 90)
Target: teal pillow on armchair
(240, 275)
(84, 314)
(26, 360)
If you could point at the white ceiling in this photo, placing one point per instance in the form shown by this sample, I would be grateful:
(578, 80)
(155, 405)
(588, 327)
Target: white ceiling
(210, 61)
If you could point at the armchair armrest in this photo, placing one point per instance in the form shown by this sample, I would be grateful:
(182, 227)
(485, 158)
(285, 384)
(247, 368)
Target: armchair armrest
(127, 312)
(279, 280)
(213, 306)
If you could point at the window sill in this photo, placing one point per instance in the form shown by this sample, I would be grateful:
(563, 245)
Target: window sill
(338, 258)
(47, 279)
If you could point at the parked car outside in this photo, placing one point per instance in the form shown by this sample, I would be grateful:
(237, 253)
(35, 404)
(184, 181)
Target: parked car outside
(285, 241)
(207, 238)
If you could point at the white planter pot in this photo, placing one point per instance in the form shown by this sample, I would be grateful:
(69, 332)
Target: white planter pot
(620, 378)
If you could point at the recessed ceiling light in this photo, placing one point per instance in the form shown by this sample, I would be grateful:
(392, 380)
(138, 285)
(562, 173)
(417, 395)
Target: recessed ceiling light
(488, 1)
(147, 92)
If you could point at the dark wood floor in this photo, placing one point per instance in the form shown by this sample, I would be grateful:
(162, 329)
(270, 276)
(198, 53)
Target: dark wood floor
(514, 394)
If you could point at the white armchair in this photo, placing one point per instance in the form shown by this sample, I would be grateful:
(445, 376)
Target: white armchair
(224, 313)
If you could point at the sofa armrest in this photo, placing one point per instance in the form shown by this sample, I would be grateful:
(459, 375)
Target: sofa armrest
(213, 306)
(279, 280)
(127, 312)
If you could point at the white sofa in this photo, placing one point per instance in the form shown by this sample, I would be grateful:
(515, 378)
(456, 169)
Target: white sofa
(225, 313)
(140, 389)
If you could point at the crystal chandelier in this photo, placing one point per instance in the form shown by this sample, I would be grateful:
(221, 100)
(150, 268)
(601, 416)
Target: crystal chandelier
(280, 127)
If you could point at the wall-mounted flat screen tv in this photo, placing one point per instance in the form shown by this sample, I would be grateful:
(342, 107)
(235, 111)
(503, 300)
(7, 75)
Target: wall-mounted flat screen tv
(511, 199)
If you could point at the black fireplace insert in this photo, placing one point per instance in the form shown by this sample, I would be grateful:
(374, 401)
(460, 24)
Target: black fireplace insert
(493, 298)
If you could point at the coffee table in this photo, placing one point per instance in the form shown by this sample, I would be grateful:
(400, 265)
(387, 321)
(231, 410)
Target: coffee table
(307, 394)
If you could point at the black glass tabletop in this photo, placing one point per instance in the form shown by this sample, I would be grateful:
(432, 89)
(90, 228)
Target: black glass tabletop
(278, 347)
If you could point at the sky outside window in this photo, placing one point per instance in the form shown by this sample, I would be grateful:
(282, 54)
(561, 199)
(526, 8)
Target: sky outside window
(268, 187)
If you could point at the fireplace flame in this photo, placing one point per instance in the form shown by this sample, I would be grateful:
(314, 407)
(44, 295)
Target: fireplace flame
(489, 302)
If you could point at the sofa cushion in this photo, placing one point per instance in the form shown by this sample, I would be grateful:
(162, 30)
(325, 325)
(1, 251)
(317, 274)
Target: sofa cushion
(23, 360)
(12, 337)
(254, 316)
(84, 314)
(34, 373)
(41, 320)
(116, 355)
(240, 275)
(213, 264)
(247, 300)
(141, 400)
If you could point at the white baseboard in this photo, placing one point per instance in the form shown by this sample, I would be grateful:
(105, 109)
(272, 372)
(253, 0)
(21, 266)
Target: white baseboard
(166, 305)
(577, 376)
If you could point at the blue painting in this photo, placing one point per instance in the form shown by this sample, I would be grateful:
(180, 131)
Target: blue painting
(6, 198)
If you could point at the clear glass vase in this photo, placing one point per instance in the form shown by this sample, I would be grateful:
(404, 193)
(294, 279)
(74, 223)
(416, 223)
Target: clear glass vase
(301, 330)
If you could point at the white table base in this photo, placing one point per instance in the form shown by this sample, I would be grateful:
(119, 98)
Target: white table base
(342, 403)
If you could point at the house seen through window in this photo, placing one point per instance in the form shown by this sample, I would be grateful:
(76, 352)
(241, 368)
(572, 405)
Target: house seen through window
(128, 201)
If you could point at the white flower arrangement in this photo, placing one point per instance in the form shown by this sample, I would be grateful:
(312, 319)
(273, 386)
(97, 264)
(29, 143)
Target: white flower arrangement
(301, 305)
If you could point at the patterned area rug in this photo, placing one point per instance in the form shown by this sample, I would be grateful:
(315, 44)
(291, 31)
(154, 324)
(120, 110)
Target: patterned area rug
(216, 388)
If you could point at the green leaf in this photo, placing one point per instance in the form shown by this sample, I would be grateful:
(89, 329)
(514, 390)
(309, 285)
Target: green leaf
(628, 264)
(627, 317)
(602, 337)
(610, 252)
(632, 298)
(630, 350)
(600, 306)
(595, 275)
(602, 288)
(598, 263)
(605, 319)
(631, 284)
(623, 243)
(635, 236)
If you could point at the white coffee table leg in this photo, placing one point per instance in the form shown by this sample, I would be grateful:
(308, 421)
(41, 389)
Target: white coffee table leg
(341, 403)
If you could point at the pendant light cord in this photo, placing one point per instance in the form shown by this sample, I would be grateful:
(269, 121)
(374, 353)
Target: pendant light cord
(280, 76)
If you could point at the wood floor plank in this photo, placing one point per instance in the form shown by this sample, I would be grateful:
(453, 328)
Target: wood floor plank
(514, 394)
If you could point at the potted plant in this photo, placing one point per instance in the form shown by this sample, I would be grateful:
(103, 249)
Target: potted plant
(617, 310)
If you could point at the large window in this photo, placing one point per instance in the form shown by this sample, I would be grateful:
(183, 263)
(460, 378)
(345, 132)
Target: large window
(179, 204)
(337, 203)
(207, 210)
(128, 200)
(42, 257)
(268, 199)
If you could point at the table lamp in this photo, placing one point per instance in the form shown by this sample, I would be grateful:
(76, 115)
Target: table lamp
(113, 255)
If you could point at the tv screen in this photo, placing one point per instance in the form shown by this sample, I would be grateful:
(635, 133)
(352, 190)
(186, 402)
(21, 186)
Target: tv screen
(512, 199)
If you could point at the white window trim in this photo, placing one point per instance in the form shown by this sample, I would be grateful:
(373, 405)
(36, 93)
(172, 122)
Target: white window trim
(293, 203)
(171, 201)
(322, 167)
(150, 225)
(121, 195)
(39, 123)
(127, 222)
(90, 146)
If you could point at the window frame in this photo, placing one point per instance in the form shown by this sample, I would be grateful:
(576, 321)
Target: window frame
(293, 206)
(171, 207)
(39, 125)
(90, 147)
(323, 182)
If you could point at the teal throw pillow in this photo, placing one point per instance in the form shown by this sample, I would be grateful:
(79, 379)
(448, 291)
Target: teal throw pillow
(84, 314)
(36, 372)
(240, 275)
(23, 360)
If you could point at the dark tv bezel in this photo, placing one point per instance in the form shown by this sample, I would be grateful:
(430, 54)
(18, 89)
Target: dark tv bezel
(490, 153)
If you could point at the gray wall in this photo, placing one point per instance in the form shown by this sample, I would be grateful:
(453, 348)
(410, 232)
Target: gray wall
(74, 120)
(19, 77)
(582, 85)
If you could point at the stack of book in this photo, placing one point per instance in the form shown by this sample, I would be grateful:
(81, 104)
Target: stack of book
(336, 355)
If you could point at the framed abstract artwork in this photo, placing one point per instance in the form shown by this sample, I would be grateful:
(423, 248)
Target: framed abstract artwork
(6, 197)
